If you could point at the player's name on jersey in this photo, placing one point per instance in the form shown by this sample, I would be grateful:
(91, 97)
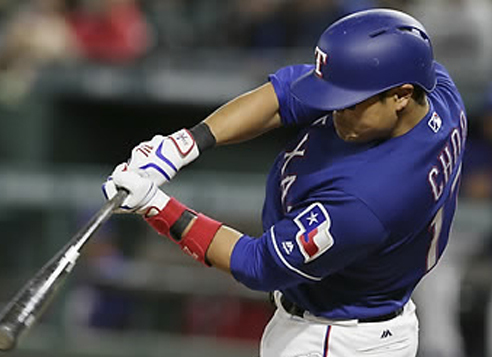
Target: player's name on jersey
(448, 160)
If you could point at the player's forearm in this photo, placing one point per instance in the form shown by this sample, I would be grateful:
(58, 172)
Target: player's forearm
(206, 240)
(246, 116)
(220, 250)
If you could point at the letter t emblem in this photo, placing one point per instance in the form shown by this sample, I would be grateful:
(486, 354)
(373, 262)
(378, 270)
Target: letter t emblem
(321, 59)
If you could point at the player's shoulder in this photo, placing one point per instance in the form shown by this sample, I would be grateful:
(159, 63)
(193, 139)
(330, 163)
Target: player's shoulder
(290, 73)
(442, 74)
(446, 93)
(292, 110)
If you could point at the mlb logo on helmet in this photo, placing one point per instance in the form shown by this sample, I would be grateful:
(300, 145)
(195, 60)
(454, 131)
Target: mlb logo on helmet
(314, 236)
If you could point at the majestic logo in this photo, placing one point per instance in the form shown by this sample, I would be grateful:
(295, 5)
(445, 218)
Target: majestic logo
(386, 333)
(288, 247)
(314, 237)
(320, 58)
(435, 122)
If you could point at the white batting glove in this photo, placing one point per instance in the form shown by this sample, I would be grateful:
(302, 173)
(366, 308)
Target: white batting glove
(143, 196)
(162, 157)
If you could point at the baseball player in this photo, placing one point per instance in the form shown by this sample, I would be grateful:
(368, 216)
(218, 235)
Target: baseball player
(358, 206)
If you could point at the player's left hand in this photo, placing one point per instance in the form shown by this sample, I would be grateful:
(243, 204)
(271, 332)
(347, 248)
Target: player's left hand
(143, 193)
(162, 157)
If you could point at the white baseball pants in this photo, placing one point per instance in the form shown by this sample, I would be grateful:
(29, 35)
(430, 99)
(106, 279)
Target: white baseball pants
(292, 336)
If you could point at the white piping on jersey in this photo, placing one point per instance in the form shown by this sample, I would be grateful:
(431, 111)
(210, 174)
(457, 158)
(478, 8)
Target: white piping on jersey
(288, 156)
(286, 263)
(320, 121)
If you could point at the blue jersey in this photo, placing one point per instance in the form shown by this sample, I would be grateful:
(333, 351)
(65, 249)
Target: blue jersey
(350, 229)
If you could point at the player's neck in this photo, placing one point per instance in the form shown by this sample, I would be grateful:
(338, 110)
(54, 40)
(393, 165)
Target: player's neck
(410, 117)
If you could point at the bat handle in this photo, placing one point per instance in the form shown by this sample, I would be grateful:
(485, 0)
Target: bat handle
(117, 199)
(98, 219)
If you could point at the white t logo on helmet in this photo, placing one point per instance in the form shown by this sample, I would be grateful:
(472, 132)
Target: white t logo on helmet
(321, 58)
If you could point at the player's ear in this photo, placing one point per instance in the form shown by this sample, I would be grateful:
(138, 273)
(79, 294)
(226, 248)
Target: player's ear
(402, 95)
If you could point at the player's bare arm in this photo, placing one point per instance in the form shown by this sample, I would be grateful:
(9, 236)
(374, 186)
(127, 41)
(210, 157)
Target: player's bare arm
(205, 239)
(246, 116)
(243, 118)
(220, 250)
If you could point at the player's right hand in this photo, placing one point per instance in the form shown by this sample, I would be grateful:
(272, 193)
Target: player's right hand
(143, 193)
(162, 157)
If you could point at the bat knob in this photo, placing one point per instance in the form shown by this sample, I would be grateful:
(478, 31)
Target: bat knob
(7, 338)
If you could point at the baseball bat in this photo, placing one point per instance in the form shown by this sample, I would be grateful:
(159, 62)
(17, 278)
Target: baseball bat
(29, 303)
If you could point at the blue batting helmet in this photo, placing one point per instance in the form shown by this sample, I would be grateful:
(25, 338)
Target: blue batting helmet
(364, 54)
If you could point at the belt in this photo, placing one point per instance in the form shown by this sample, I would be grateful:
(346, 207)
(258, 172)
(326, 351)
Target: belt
(296, 310)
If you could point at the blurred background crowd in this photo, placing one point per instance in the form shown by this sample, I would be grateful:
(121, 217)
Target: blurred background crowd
(83, 81)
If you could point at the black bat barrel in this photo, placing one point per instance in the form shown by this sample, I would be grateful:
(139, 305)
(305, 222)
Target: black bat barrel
(31, 301)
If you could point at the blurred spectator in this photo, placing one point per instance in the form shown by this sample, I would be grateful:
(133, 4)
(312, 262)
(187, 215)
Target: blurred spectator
(36, 35)
(259, 24)
(113, 31)
(94, 302)
(226, 317)
(287, 23)
(348, 7)
(311, 16)
(477, 165)
(172, 22)
(476, 284)
(475, 300)
(402, 5)
(309, 19)
(460, 32)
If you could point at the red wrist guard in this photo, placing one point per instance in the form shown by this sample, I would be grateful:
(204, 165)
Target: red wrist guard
(199, 237)
(164, 220)
(197, 240)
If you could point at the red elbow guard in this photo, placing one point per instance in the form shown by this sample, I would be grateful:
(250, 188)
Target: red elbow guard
(197, 240)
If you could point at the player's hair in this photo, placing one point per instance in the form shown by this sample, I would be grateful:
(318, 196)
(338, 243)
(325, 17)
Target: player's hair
(419, 95)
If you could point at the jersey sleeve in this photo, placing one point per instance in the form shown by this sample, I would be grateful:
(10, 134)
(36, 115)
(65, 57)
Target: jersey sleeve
(312, 242)
(292, 111)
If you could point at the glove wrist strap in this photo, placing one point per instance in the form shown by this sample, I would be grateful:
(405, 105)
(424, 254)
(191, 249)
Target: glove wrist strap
(203, 136)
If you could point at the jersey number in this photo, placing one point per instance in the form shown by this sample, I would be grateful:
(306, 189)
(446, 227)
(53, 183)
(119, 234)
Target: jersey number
(435, 229)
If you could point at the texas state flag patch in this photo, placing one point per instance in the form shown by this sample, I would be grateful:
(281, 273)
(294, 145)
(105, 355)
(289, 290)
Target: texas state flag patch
(314, 237)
